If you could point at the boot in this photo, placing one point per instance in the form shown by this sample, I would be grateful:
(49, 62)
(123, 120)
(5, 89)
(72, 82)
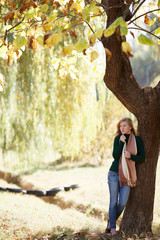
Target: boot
(113, 231)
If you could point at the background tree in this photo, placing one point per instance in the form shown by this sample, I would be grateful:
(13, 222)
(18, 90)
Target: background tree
(145, 69)
(42, 106)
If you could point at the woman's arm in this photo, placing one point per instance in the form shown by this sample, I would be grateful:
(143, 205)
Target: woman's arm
(117, 148)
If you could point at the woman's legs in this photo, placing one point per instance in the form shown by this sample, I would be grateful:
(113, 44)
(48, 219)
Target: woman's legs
(123, 198)
(113, 182)
(118, 198)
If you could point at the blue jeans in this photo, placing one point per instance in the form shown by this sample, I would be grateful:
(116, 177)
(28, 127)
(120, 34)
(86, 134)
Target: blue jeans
(118, 197)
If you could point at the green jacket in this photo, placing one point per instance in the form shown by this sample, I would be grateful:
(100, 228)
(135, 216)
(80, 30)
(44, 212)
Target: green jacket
(117, 151)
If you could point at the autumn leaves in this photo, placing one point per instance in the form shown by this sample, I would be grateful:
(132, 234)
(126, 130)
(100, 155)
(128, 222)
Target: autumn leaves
(29, 24)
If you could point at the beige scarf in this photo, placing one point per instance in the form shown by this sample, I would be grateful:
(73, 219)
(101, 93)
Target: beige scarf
(127, 170)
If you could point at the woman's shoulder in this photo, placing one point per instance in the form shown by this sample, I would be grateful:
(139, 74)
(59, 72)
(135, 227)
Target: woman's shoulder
(117, 138)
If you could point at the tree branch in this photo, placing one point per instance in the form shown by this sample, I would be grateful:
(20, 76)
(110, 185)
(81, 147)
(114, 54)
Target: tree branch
(144, 30)
(89, 26)
(155, 10)
(102, 5)
(138, 7)
(8, 30)
(15, 25)
(107, 8)
(119, 76)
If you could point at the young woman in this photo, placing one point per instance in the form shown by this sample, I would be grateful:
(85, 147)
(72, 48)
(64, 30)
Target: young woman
(127, 150)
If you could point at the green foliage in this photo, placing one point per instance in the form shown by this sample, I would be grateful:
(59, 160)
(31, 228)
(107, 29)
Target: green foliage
(111, 29)
(49, 89)
(157, 31)
(123, 31)
(28, 23)
(50, 101)
(145, 40)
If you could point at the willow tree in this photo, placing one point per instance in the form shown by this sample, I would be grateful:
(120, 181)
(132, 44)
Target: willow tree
(24, 23)
(42, 102)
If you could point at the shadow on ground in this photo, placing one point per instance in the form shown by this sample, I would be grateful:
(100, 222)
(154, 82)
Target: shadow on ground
(63, 204)
(68, 234)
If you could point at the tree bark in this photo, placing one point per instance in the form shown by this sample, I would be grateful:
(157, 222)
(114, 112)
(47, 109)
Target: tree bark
(145, 105)
(138, 215)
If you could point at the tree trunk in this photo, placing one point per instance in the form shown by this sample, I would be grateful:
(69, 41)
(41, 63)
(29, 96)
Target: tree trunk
(138, 215)
(145, 105)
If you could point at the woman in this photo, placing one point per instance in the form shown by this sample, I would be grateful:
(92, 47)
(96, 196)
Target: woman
(127, 150)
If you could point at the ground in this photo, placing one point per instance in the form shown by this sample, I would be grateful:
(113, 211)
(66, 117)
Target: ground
(77, 214)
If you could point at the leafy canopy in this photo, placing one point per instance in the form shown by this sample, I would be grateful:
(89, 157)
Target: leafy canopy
(33, 23)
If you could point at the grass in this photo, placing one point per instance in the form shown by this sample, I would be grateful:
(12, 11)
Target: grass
(77, 214)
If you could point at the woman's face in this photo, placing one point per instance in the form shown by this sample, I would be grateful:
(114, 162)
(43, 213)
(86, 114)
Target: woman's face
(125, 128)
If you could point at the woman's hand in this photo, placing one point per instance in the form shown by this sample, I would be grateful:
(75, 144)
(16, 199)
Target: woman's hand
(127, 154)
(122, 138)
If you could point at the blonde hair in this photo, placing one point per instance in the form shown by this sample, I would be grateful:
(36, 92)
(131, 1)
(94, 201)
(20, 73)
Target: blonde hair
(130, 123)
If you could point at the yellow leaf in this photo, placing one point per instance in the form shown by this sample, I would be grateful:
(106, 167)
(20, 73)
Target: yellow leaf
(123, 31)
(89, 32)
(99, 33)
(52, 16)
(127, 49)
(44, 7)
(109, 54)
(94, 55)
(81, 45)
(86, 14)
(145, 40)
(117, 22)
(93, 8)
(31, 13)
(48, 27)
(20, 41)
(123, 24)
(92, 38)
(151, 22)
(68, 49)
(39, 13)
(40, 40)
(19, 26)
(157, 31)
(53, 39)
(77, 6)
(109, 31)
